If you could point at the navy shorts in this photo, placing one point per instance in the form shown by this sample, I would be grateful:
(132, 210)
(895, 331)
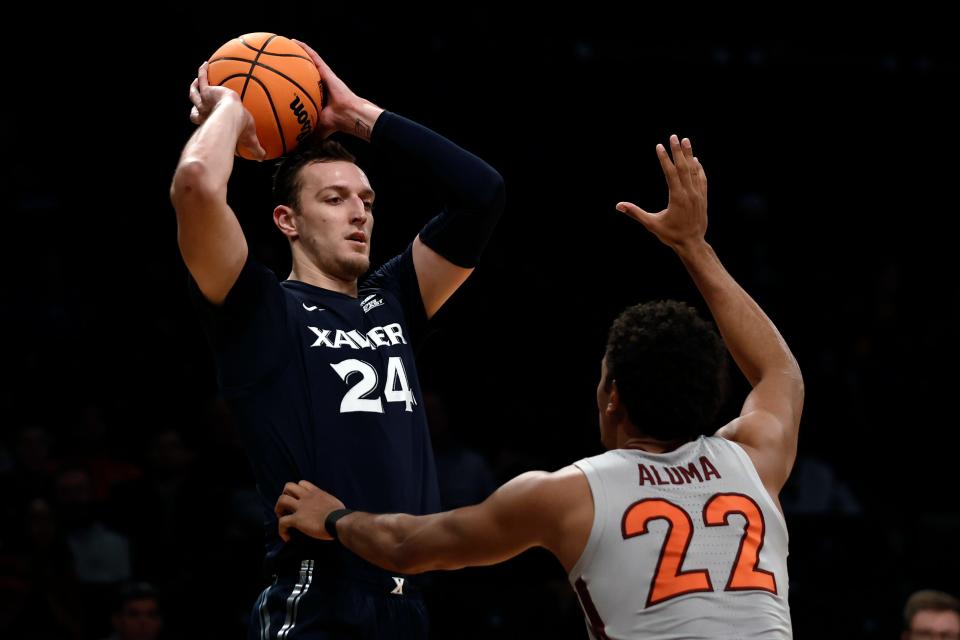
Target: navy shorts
(304, 605)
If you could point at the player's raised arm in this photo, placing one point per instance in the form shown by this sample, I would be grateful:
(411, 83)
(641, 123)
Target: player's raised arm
(770, 418)
(210, 238)
(448, 248)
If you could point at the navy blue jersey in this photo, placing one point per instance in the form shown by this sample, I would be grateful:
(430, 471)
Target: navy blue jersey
(324, 387)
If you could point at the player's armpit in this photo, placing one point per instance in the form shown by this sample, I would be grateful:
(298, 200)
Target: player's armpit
(770, 444)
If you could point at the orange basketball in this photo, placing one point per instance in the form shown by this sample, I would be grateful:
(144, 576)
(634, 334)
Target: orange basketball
(277, 82)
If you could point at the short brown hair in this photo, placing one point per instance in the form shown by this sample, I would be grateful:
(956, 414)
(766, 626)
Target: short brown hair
(286, 181)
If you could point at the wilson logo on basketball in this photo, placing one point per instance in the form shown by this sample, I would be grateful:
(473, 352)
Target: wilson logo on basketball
(301, 114)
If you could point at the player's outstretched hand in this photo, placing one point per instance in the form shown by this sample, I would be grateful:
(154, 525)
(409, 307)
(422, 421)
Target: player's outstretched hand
(685, 219)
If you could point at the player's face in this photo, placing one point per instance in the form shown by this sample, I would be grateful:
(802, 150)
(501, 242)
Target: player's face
(930, 623)
(607, 430)
(336, 217)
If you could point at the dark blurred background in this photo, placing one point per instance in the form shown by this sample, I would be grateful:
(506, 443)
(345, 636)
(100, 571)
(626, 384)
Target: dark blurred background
(831, 199)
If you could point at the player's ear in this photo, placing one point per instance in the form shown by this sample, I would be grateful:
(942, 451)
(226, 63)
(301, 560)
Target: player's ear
(613, 400)
(286, 220)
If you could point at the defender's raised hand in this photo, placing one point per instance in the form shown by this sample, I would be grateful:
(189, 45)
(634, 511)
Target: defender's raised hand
(685, 218)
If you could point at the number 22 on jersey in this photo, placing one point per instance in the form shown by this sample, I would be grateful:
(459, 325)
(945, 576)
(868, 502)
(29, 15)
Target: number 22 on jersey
(669, 579)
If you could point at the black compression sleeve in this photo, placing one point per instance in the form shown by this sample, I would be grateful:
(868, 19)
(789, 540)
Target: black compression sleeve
(473, 191)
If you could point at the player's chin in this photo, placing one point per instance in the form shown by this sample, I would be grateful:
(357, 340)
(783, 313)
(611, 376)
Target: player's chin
(356, 264)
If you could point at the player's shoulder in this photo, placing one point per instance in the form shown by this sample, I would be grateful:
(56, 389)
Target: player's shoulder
(551, 479)
(547, 490)
(254, 275)
(568, 482)
(565, 508)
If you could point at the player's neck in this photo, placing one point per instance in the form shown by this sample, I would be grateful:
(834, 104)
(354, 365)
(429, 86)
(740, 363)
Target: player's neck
(306, 271)
(646, 443)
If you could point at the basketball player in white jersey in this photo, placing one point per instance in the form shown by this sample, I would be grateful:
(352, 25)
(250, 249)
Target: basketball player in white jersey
(671, 533)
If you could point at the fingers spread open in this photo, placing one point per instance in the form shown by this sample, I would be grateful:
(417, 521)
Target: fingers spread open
(304, 46)
(310, 52)
(635, 212)
(325, 72)
(687, 148)
(680, 160)
(701, 176)
(669, 170)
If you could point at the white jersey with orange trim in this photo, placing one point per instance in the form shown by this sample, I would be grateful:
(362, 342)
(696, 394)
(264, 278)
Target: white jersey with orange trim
(685, 544)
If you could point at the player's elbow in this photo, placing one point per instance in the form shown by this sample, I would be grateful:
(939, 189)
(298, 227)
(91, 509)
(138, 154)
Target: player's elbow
(495, 193)
(191, 184)
(785, 373)
(792, 387)
(796, 379)
(486, 194)
(799, 389)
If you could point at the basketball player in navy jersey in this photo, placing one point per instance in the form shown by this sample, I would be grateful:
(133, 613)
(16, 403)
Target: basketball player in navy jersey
(672, 533)
(319, 368)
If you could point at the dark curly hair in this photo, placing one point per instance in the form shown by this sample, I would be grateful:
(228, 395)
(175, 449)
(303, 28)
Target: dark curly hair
(670, 368)
(286, 180)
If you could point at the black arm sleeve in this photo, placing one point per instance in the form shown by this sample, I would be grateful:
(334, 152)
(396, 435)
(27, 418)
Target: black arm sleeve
(473, 190)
